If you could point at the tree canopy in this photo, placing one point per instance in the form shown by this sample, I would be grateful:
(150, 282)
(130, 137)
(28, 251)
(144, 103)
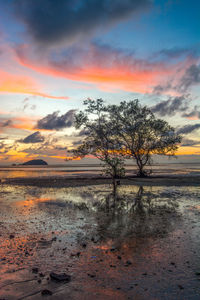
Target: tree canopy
(141, 134)
(125, 131)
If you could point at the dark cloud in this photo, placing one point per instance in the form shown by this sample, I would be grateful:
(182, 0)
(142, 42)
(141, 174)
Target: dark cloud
(36, 137)
(191, 77)
(188, 129)
(61, 148)
(4, 148)
(177, 52)
(194, 114)
(2, 145)
(159, 89)
(171, 106)
(53, 121)
(189, 143)
(6, 123)
(50, 21)
(82, 132)
(77, 143)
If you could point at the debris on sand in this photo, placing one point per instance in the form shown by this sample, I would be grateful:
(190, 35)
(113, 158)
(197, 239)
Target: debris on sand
(46, 293)
(60, 277)
(35, 270)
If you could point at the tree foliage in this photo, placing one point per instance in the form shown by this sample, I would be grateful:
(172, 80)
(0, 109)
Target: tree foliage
(128, 130)
(141, 134)
(100, 141)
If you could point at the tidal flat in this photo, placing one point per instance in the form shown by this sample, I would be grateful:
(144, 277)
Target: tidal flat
(141, 244)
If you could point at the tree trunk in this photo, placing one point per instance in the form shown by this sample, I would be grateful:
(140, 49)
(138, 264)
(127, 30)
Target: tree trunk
(141, 172)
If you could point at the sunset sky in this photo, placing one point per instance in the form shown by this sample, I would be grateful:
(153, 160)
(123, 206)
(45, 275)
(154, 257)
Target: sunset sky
(56, 53)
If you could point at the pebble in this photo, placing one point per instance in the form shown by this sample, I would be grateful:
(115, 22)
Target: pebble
(60, 277)
(46, 292)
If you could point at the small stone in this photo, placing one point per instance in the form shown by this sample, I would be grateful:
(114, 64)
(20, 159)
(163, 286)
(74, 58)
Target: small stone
(128, 263)
(35, 270)
(180, 287)
(91, 275)
(197, 273)
(84, 245)
(46, 293)
(112, 249)
(11, 236)
(119, 257)
(60, 277)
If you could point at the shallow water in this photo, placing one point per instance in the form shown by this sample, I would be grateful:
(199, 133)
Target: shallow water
(142, 244)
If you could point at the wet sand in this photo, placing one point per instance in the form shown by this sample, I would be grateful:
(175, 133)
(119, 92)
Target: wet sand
(142, 244)
(91, 179)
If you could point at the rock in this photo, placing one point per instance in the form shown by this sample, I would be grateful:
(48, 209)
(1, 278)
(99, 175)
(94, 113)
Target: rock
(75, 254)
(60, 277)
(180, 287)
(92, 275)
(112, 249)
(35, 270)
(197, 273)
(84, 245)
(128, 263)
(119, 257)
(11, 236)
(46, 293)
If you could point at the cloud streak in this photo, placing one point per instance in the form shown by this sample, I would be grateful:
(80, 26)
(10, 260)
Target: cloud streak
(171, 106)
(21, 84)
(188, 129)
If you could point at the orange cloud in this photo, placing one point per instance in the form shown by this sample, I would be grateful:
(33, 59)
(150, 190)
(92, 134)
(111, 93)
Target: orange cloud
(107, 78)
(20, 84)
(107, 70)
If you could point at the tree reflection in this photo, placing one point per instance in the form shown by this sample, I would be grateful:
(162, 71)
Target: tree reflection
(142, 214)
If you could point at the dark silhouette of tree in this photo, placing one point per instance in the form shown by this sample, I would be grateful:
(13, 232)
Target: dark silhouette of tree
(128, 130)
(100, 140)
(141, 134)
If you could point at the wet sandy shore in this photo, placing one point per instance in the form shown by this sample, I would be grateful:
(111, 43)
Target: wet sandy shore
(90, 179)
(142, 244)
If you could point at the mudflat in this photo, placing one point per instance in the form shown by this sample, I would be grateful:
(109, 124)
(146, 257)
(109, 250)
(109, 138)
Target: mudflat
(72, 238)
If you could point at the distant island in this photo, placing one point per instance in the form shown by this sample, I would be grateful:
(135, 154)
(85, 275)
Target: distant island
(35, 162)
